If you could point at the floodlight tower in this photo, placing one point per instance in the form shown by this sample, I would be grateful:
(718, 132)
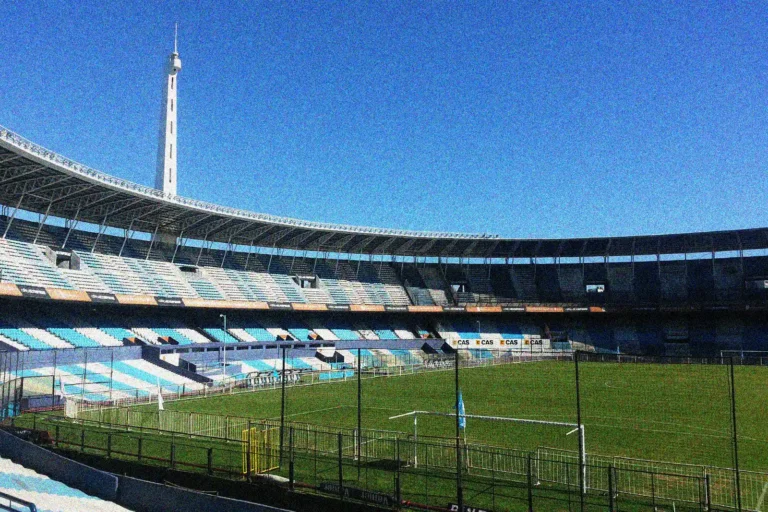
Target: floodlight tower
(167, 149)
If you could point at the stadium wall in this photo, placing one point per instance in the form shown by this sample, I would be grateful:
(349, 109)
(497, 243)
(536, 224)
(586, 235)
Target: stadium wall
(91, 481)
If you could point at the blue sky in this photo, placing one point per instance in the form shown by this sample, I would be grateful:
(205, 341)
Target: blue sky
(515, 118)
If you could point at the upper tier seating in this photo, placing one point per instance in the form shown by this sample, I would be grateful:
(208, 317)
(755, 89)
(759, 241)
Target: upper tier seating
(113, 264)
(25, 264)
(142, 277)
(435, 284)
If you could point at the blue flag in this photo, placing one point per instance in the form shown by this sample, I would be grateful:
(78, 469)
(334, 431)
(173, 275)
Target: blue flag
(462, 417)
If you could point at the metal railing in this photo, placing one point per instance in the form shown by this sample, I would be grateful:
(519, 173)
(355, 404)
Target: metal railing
(383, 467)
(12, 503)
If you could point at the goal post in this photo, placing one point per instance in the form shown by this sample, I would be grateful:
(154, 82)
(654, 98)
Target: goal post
(575, 429)
(759, 356)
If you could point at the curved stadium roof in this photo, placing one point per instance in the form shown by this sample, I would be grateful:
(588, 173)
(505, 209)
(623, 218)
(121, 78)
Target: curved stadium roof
(38, 180)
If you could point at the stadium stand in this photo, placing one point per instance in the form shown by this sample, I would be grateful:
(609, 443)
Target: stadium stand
(48, 495)
(214, 274)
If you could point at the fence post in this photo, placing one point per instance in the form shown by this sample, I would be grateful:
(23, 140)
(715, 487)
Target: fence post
(290, 459)
(707, 492)
(138, 454)
(530, 482)
(735, 437)
(56, 439)
(82, 441)
(210, 461)
(397, 472)
(611, 490)
(248, 447)
(173, 455)
(109, 446)
(341, 467)
(282, 407)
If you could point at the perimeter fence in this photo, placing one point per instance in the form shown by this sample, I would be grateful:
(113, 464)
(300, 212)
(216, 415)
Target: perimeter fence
(394, 470)
(661, 432)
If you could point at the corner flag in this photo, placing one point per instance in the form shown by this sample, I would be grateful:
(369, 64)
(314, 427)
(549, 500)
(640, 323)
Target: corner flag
(462, 413)
(160, 406)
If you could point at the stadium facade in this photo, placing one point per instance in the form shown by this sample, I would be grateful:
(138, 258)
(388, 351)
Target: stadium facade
(102, 240)
(113, 292)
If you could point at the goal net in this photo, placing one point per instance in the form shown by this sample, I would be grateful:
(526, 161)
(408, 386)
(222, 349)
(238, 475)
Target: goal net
(502, 445)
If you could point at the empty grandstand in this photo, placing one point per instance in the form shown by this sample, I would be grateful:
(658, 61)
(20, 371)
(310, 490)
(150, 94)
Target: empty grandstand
(116, 294)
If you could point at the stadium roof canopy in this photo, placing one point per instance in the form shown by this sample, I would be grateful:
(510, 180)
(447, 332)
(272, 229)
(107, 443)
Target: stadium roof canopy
(35, 179)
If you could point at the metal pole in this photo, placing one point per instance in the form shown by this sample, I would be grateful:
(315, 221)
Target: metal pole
(582, 468)
(459, 491)
(291, 475)
(282, 406)
(359, 413)
(4, 357)
(111, 371)
(341, 467)
(735, 438)
(53, 381)
(611, 492)
(223, 347)
(85, 374)
(415, 440)
(249, 447)
(529, 480)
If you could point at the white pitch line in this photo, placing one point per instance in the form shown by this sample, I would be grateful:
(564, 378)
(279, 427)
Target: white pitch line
(311, 412)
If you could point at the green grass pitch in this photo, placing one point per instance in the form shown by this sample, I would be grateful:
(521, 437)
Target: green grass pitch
(676, 413)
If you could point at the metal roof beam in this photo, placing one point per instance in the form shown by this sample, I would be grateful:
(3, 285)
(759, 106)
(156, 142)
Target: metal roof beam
(388, 241)
(10, 173)
(322, 240)
(9, 157)
(257, 233)
(279, 235)
(448, 249)
(297, 240)
(492, 249)
(85, 202)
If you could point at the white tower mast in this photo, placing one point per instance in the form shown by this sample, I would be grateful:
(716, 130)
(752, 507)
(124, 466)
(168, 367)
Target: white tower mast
(167, 149)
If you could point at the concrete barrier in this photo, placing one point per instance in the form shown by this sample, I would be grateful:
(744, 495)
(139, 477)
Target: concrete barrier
(91, 481)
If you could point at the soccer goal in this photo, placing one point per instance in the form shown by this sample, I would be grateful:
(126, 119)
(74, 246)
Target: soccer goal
(508, 460)
(760, 356)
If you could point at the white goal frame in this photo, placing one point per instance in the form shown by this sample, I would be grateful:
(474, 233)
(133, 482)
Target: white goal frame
(576, 428)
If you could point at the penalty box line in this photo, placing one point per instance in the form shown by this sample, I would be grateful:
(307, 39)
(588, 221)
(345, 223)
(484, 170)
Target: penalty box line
(303, 413)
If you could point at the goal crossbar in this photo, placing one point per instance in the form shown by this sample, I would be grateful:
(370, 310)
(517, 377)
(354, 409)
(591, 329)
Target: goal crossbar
(490, 418)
